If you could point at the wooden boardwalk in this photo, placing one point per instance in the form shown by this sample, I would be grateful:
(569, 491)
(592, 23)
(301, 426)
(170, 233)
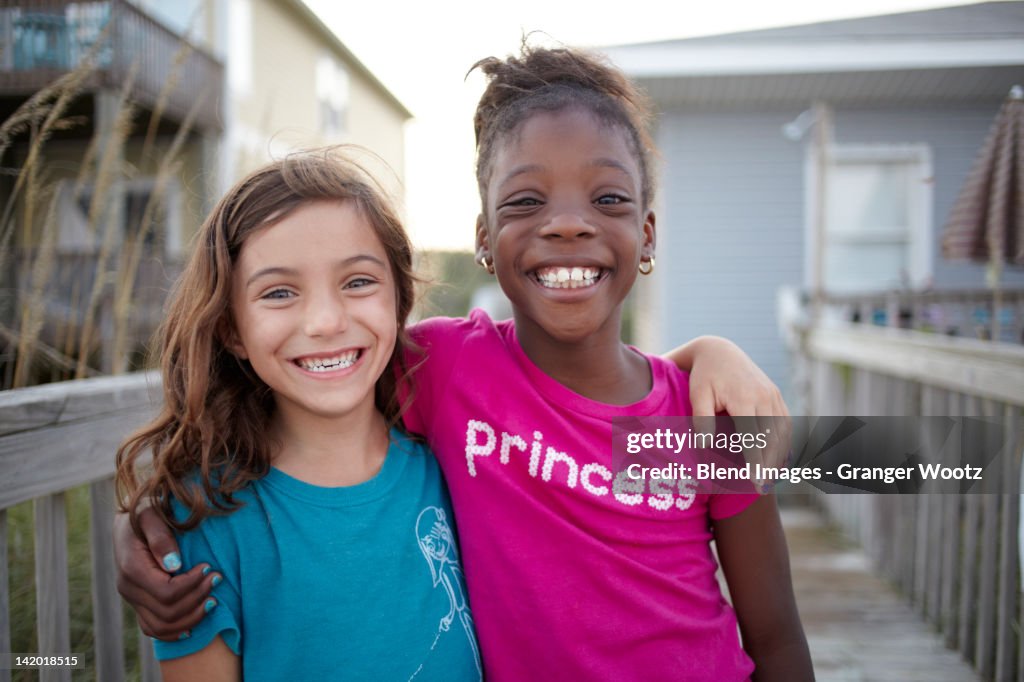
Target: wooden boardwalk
(858, 627)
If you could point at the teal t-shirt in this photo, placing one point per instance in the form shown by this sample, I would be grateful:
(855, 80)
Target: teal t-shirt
(352, 583)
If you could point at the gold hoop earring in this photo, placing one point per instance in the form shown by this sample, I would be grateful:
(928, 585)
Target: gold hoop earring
(489, 267)
(650, 266)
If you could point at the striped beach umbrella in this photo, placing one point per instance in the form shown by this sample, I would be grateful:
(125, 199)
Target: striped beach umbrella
(987, 220)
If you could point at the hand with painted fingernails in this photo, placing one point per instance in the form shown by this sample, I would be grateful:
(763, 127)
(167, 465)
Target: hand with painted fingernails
(168, 600)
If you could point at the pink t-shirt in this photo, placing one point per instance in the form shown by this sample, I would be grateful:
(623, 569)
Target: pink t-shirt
(568, 580)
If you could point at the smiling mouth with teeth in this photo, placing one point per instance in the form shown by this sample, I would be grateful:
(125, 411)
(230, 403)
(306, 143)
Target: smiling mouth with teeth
(568, 278)
(337, 362)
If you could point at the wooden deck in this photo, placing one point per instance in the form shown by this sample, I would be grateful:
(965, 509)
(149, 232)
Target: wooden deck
(957, 564)
(954, 558)
(858, 627)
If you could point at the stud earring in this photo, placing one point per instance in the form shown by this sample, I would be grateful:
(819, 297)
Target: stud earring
(650, 266)
(489, 267)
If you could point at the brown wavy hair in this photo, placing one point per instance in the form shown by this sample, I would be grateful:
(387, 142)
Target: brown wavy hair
(211, 437)
(550, 80)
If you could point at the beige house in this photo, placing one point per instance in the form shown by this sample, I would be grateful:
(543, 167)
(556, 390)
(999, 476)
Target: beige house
(234, 84)
(291, 84)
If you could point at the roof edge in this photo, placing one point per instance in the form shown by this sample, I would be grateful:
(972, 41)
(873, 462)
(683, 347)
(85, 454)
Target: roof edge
(826, 30)
(664, 60)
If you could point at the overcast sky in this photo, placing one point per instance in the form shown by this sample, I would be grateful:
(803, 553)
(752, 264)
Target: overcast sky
(422, 50)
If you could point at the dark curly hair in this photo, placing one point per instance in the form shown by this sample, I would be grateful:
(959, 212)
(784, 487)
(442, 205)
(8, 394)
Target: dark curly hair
(554, 79)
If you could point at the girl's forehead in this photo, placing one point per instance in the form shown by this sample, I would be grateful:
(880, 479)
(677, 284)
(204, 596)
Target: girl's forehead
(573, 136)
(313, 231)
(559, 121)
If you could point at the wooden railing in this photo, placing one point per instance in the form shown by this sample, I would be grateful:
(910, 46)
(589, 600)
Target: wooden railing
(43, 39)
(969, 313)
(955, 557)
(53, 439)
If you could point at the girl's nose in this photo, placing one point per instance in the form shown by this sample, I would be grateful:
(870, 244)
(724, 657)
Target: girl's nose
(568, 225)
(326, 316)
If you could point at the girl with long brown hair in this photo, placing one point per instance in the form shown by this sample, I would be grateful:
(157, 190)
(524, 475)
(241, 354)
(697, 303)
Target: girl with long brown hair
(277, 453)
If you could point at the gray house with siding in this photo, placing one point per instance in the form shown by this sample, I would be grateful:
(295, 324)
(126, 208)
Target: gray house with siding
(746, 206)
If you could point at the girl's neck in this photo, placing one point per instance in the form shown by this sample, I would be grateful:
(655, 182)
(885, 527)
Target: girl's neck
(599, 367)
(330, 451)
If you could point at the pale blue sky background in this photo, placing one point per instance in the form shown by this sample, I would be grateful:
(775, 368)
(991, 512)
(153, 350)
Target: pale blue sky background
(422, 50)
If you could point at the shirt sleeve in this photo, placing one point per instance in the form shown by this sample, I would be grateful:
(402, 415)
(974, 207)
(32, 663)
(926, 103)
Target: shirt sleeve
(439, 341)
(209, 543)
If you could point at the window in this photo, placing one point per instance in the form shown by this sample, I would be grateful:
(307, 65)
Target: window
(57, 37)
(877, 218)
(163, 238)
(332, 93)
(41, 41)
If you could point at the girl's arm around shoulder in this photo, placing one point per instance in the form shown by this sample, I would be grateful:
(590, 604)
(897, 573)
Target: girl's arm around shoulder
(725, 380)
(755, 560)
(214, 663)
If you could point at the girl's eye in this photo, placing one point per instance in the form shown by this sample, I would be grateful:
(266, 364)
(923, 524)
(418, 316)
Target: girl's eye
(611, 199)
(359, 283)
(277, 294)
(522, 202)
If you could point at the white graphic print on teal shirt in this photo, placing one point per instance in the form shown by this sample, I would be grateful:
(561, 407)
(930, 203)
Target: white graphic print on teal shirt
(437, 543)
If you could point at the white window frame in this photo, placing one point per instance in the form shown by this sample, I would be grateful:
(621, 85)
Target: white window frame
(921, 237)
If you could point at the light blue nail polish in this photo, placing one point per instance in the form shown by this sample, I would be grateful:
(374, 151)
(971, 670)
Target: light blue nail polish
(184, 635)
(172, 562)
(207, 569)
(210, 605)
(217, 580)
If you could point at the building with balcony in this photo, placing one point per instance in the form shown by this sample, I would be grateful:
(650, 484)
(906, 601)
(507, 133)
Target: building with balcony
(108, 175)
(161, 107)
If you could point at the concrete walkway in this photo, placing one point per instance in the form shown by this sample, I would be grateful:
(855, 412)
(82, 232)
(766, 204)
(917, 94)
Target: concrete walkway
(857, 626)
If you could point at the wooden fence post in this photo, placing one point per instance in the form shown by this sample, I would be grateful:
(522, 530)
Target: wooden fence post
(5, 603)
(52, 611)
(108, 621)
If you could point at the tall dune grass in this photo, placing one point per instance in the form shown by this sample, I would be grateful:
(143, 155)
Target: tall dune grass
(97, 333)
